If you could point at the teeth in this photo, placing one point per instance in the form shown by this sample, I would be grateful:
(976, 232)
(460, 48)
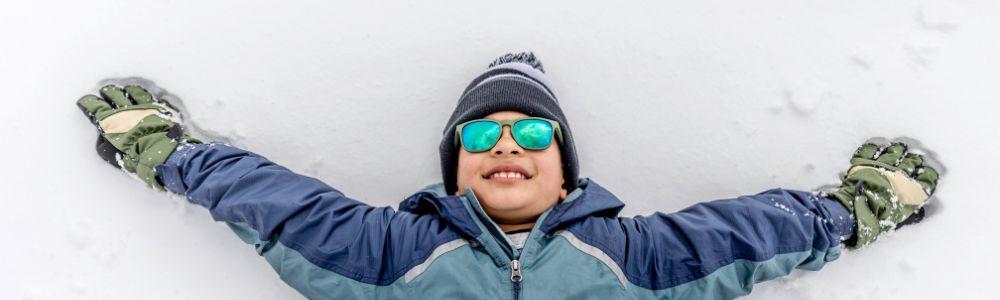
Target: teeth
(514, 175)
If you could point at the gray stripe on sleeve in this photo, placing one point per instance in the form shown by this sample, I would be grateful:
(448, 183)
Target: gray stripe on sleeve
(440, 250)
(596, 253)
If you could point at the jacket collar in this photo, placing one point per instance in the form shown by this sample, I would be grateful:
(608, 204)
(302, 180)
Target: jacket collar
(588, 200)
(433, 200)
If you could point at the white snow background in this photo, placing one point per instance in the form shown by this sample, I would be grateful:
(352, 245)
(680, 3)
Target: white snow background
(671, 103)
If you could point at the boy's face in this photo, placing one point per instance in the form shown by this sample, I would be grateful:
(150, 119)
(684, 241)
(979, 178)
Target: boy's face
(513, 200)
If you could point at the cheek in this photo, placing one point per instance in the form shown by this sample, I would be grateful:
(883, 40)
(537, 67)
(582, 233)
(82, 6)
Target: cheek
(550, 167)
(468, 165)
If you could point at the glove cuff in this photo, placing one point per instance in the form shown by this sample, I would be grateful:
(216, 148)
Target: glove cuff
(153, 150)
(846, 198)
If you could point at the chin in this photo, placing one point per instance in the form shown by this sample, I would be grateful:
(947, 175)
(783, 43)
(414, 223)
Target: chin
(504, 199)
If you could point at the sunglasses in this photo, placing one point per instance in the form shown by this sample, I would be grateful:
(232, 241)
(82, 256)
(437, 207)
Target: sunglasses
(530, 133)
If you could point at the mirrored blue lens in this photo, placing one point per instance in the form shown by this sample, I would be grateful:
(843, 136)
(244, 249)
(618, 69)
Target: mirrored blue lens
(533, 134)
(480, 136)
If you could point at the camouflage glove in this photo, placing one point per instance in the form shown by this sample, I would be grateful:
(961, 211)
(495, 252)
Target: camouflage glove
(884, 188)
(136, 131)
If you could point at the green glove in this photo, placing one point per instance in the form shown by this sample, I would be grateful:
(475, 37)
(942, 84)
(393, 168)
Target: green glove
(136, 131)
(883, 188)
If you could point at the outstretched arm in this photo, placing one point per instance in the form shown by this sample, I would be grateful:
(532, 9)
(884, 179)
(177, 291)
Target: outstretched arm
(321, 242)
(720, 249)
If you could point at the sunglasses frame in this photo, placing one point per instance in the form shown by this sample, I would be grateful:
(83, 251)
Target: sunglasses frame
(557, 131)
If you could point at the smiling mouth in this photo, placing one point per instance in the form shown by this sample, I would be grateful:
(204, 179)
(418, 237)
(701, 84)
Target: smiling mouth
(507, 176)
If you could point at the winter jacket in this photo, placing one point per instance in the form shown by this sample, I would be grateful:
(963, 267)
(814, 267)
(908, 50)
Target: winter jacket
(437, 246)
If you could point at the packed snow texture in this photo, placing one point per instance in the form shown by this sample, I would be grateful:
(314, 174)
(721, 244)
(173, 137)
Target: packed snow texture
(670, 103)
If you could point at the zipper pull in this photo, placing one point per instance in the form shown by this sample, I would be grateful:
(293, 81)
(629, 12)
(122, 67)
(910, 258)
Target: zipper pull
(515, 271)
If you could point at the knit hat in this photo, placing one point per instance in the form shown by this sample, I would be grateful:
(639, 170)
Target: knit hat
(514, 82)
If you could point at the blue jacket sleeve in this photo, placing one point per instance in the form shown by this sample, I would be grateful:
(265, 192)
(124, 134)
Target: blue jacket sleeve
(314, 229)
(719, 249)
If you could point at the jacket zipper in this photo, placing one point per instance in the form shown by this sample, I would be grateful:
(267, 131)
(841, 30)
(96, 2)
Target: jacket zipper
(501, 239)
(515, 277)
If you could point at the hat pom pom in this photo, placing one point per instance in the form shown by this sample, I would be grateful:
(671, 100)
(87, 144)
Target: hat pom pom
(527, 58)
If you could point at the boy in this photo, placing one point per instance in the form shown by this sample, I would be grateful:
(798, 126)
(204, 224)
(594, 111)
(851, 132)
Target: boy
(511, 218)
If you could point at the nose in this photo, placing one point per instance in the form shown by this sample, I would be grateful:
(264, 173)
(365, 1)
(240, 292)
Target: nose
(506, 144)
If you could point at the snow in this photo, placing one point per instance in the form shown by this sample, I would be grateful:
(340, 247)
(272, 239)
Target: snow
(670, 104)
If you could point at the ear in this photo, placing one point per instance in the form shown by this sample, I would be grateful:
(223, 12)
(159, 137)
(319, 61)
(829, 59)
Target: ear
(563, 192)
